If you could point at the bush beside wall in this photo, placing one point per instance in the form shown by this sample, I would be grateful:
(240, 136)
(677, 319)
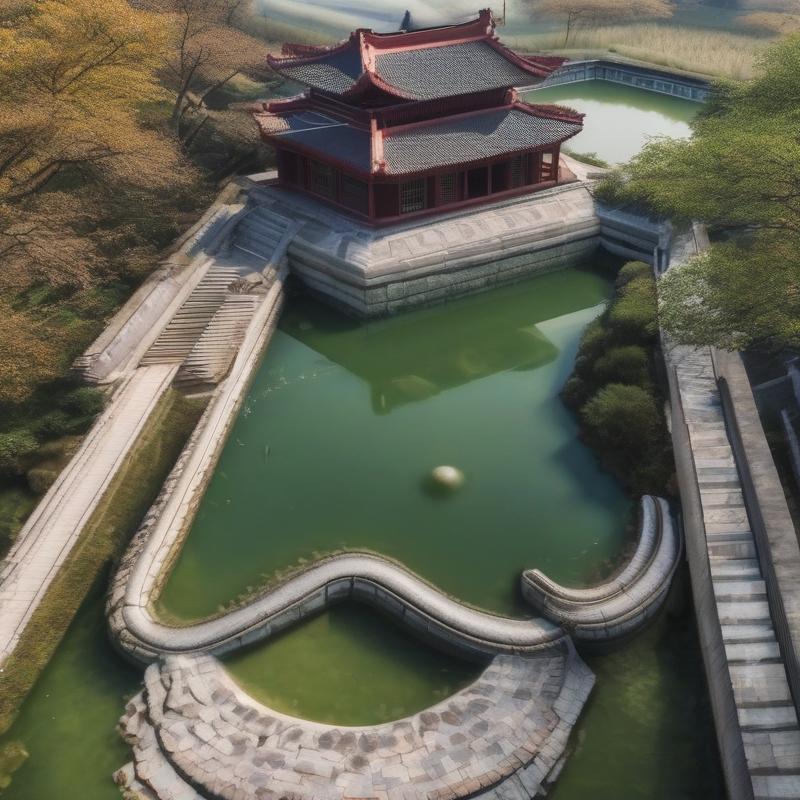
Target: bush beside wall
(614, 391)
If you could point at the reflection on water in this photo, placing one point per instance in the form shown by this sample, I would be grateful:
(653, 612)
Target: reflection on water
(431, 351)
(344, 421)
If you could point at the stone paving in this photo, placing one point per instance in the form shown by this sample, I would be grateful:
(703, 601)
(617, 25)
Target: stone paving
(196, 734)
(57, 522)
(766, 712)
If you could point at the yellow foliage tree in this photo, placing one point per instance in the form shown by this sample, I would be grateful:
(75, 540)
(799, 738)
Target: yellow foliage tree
(588, 13)
(72, 77)
(204, 53)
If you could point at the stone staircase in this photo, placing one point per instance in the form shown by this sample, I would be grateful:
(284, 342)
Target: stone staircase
(263, 234)
(211, 357)
(205, 333)
(764, 705)
(178, 338)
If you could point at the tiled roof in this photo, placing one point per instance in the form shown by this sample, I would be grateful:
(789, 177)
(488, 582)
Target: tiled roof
(451, 69)
(335, 72)
(472, 138)
(331, 137)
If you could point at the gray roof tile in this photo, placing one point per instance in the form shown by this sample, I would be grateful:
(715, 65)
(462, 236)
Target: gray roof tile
(335, 72)
(471, 139)
(450, 70)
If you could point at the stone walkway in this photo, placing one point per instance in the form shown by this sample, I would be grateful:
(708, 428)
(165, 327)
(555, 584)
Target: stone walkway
(501, 737)
(55, 525)
(767, 716)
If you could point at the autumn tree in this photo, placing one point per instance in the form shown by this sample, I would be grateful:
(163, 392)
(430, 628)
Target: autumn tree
(591, 13)
(740, 174)
(204, 53)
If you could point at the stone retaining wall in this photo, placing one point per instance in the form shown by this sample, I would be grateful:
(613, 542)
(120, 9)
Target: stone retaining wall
(651, 79)
(368, 271)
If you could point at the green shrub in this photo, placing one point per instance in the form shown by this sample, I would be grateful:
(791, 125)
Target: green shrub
(634, 315)
(16, 447)
(40, 479)
(625, 424)
(594, 342)
(83, 402)
(620, 417)
(575, 392)
(54, 424)
(627, 364)
(632, 270)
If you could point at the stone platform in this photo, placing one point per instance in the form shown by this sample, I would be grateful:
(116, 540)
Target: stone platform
(196, 734)
(376, 271)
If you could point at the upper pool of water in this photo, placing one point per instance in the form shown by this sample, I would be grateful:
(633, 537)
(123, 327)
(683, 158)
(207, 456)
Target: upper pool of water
(345, 421)
(619, 119)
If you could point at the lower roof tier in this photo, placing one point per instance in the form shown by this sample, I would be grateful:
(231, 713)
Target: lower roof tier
(421, 146)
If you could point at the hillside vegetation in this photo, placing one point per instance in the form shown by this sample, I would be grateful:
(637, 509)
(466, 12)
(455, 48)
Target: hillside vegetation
(109, 148)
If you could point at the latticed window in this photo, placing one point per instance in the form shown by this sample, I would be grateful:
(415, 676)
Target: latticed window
(448, 188)
(354, 194)
(412, 196)
(323, 179)
(518, 170)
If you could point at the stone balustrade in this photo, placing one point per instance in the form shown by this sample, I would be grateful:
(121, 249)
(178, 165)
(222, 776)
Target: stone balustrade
(623, 604)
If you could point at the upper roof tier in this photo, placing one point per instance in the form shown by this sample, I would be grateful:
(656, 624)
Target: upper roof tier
(415, 65)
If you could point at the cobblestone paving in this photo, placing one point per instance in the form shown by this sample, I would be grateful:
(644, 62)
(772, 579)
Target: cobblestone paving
(195, 734)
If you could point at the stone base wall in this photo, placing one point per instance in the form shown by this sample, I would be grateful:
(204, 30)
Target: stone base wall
(371, 272)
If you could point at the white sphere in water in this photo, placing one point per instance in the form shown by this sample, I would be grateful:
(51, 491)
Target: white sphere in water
(448, 477)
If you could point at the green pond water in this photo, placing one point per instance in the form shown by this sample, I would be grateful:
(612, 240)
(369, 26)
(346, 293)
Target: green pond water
(619, 119)
(340, 429)
(345, 421)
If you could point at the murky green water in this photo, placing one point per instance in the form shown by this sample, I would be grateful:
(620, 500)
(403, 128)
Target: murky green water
(345, 422)
(619, 119)
(342, 426)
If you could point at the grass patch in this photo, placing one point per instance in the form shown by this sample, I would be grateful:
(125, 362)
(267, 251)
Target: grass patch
(710, 52)
(592, 159)
(131, 492)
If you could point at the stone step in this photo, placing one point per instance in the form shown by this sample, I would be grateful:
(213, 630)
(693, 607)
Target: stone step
(767, 717)
(748, 632)
(735, 611)
(732, 550)
(768, 751)
(753, 652)
(776, 787)
(752, 589)
(726, 515)
(759, 685)
(734, 569)
(722, 499)
(729, 536)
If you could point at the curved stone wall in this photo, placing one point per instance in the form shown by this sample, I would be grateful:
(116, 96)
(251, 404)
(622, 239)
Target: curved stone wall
(622, 605)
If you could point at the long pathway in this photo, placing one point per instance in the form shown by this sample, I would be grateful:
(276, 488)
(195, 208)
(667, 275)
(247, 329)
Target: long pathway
(766, 713)
(55, 525)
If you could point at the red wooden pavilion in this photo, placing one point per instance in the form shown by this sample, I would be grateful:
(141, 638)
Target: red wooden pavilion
(395, 125)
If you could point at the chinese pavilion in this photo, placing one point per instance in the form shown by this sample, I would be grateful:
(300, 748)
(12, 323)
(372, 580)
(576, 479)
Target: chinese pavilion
(395, 125)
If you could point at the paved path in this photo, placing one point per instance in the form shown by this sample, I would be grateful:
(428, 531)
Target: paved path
(767, 717)
(56, 523)
(196, 734)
